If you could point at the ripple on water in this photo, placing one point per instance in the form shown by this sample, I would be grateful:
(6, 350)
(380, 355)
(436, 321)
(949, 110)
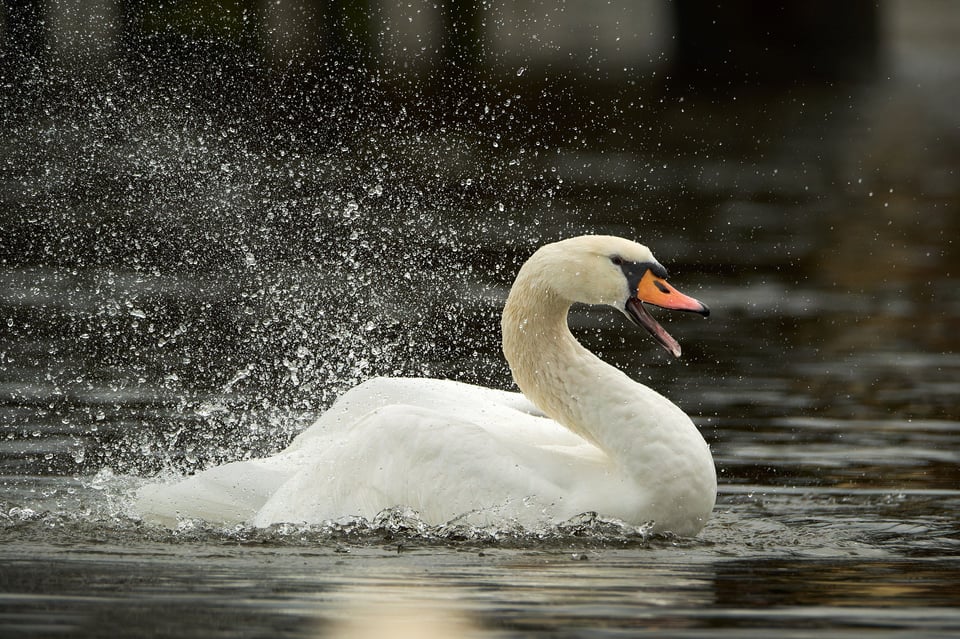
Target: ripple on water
(749, 521)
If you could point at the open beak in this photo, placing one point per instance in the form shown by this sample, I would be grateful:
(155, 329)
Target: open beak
(655, 290)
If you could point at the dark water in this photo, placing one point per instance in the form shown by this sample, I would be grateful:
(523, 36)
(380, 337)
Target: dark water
(177, 291)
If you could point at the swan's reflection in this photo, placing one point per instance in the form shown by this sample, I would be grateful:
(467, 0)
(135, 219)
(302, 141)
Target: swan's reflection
(397, 611)
(523, 592)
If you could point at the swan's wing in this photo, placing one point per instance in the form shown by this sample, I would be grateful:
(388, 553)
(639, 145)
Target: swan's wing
(440, 463)
(504, 414)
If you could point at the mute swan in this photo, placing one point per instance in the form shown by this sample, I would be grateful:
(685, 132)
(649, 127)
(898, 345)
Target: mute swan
(585, 438)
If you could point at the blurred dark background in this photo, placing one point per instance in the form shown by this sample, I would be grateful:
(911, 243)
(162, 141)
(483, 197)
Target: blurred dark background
(731, 40)
(459, 42)
(283, 77)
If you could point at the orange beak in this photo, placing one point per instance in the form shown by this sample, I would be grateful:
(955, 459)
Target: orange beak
(655, 290)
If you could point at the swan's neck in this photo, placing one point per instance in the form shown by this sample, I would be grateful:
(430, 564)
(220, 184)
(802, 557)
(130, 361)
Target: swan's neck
(572, 385)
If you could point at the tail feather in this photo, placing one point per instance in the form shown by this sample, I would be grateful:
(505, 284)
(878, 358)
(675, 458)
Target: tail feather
(226, 495)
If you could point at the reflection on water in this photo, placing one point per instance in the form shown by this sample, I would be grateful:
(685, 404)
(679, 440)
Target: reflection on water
(179, 295)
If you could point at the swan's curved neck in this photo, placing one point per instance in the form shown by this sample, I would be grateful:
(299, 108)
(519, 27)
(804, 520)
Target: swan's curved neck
(569, 383)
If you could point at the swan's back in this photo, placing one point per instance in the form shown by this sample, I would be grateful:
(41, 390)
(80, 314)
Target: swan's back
(502, 413)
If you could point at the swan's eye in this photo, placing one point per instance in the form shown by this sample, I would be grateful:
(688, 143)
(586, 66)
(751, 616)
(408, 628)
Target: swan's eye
(616, 259)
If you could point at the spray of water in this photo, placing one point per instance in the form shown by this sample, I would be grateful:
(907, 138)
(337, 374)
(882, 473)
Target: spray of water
(225, 269)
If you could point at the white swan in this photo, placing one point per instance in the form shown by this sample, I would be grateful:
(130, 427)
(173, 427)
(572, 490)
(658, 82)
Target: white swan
(592, 439)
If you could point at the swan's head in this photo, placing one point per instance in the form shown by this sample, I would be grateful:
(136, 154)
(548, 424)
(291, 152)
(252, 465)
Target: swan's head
(601, 269)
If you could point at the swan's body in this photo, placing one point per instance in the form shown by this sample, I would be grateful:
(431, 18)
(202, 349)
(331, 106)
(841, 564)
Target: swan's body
(588, 438)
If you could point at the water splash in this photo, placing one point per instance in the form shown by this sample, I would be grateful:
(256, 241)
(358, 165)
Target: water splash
(103, 505)
(227, 274)
(399, 528)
